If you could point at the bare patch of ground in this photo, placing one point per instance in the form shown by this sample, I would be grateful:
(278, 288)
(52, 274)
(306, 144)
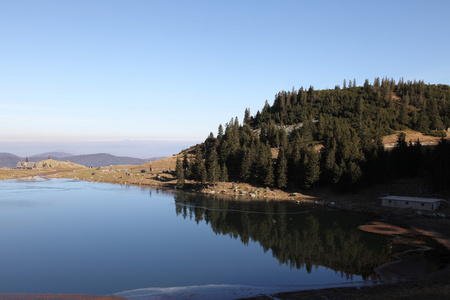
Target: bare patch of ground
(411, 135)
(383, 228)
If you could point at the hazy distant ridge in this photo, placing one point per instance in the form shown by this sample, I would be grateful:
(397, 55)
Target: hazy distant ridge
(89, 160)
(53, 155)
(103, 159)
(9, 160)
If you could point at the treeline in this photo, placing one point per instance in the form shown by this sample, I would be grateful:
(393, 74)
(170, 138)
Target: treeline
(334, 137)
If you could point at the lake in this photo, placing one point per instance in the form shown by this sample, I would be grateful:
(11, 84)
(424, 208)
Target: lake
(68, 236)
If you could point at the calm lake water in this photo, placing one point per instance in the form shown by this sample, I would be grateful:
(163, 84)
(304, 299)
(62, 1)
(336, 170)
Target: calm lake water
(66, 236)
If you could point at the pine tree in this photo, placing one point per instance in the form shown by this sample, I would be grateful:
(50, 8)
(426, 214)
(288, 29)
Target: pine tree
(423, 123)
(203, 173)
(199, 168)
(351, 177)
(187, 167)
(247, 118)
(399, 155)
(312, 168)
(404, 117)
(246, 164)
(283, 138)
(179, 171)
(433, 115)
(223, 173)
(281, 169)
(268, 166)
(367, 86)
(220, 133)
(212, 166)
(329, 162)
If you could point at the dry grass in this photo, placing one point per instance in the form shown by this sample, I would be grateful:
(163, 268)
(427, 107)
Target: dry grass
(411, 135)
(51, 163)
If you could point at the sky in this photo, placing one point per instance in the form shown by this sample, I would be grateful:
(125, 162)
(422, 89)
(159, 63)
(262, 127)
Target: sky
(145, 73)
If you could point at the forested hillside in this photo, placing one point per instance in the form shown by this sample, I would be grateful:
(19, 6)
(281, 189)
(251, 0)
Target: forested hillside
(330, 137)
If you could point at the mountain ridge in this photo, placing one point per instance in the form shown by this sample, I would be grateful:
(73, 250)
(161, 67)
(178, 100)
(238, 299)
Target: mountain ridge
(53, 154)
(9, 160)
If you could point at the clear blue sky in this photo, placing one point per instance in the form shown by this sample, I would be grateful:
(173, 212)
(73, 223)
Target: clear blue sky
(110, 70)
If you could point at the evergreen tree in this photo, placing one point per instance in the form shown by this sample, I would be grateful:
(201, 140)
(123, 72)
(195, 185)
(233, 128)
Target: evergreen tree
(220, 133)
(423, 122)
(264, 165)
(312, 168)
(213, 168)
(281, 169)
(404, 117)
(329, 163)
(268, 168)
(351, 177)
(187, 167)
(199, 168)
(246, 164)
(179, 171)
(247, 118)
(223, 173)
(400, 155)
(433, 116)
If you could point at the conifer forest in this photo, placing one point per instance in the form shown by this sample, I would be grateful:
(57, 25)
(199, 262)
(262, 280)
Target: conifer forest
(309, 138)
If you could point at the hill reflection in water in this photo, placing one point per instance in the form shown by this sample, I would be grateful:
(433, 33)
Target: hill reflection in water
(297, 235)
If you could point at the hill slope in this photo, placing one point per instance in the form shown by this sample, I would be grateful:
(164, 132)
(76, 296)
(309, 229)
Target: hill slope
(9, 160)
(51, 163)
(333, 137)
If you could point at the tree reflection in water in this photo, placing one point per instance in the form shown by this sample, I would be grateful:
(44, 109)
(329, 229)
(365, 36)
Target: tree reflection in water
(296, 235)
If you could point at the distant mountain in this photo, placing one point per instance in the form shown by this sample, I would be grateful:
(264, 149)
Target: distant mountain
(102, 160)
(4, 154)
(9, 160)
(52, 155)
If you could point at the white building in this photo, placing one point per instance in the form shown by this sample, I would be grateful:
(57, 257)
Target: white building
(413, 202)
(25, 165)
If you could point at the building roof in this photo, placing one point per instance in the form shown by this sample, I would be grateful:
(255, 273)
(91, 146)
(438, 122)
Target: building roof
(412, 199)
(24, 164)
